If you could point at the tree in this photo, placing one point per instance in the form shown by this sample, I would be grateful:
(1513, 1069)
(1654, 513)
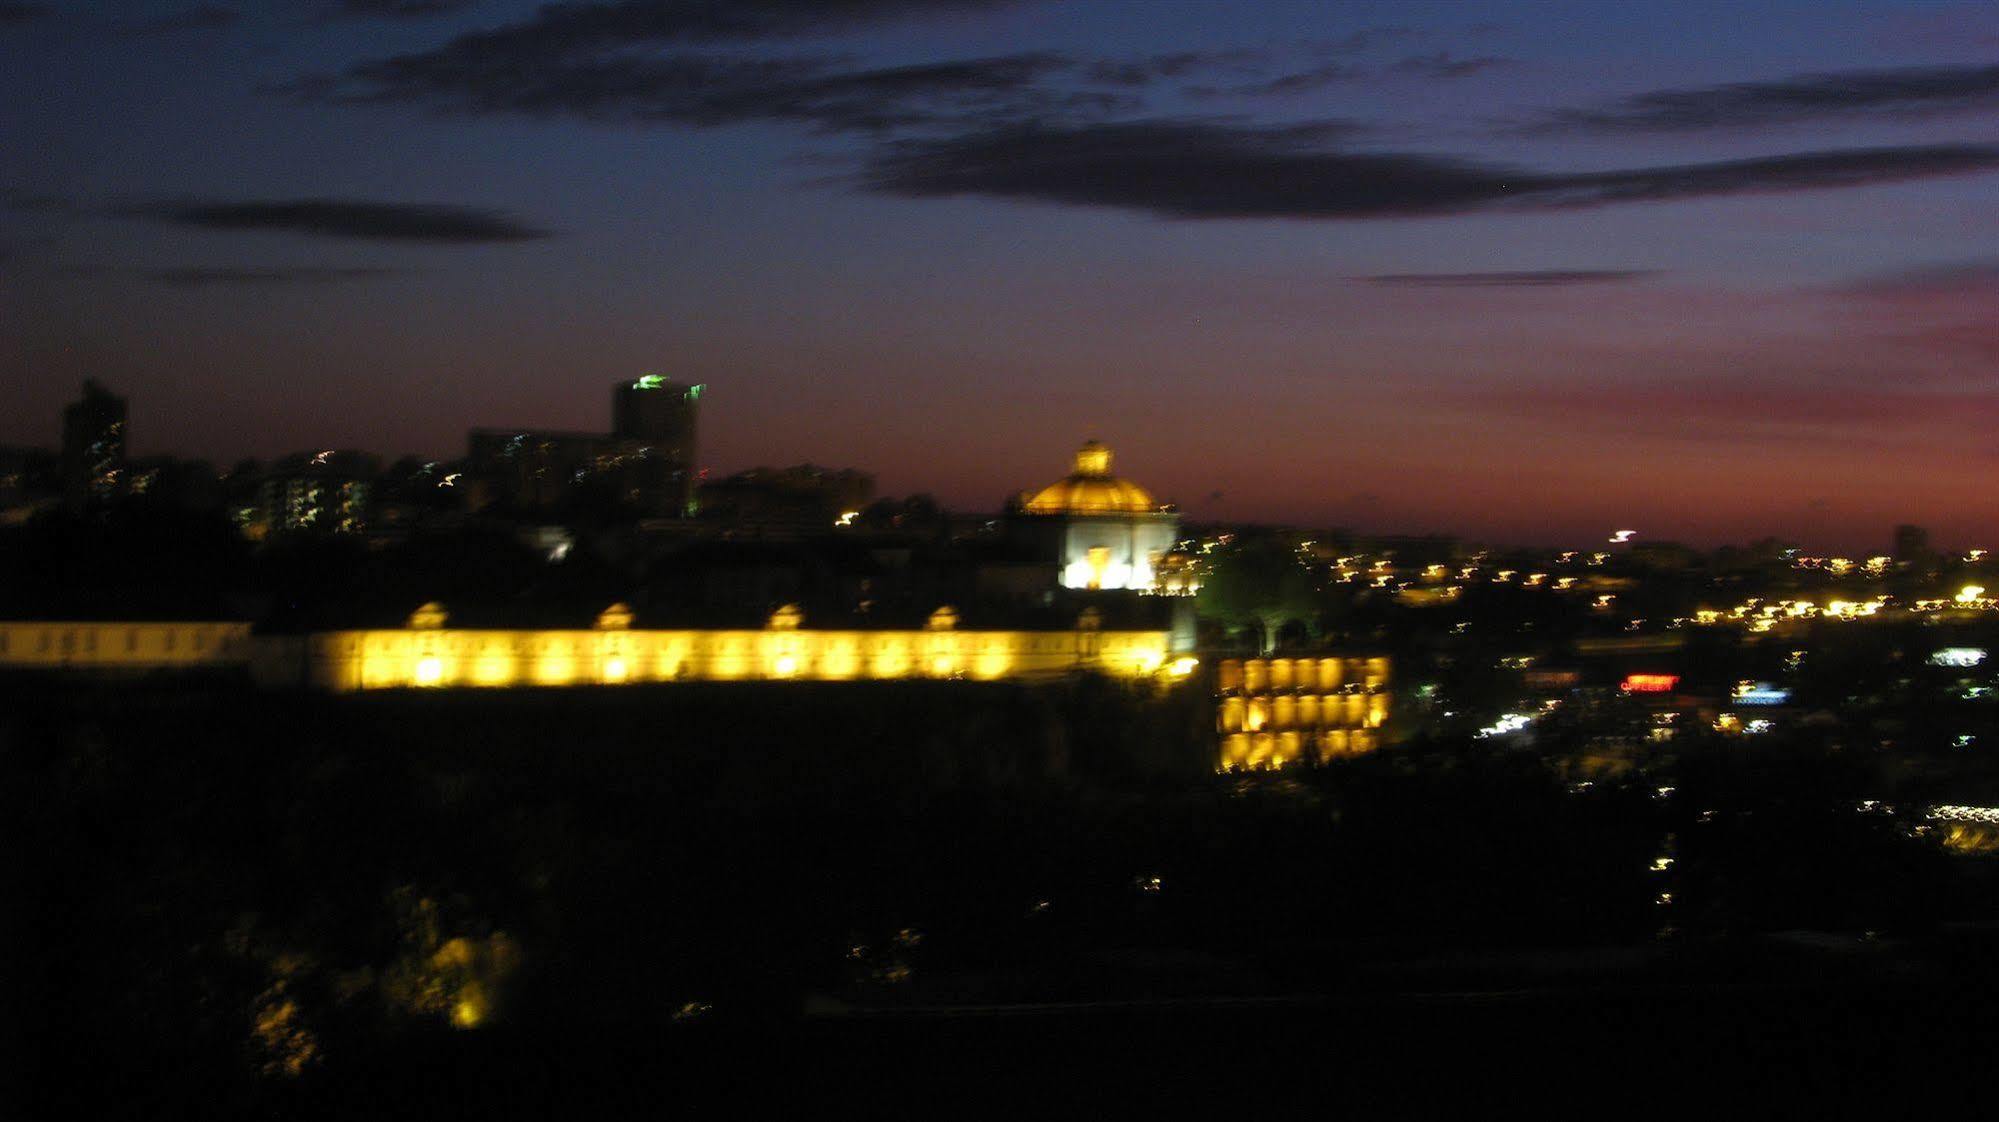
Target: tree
(1258, 583)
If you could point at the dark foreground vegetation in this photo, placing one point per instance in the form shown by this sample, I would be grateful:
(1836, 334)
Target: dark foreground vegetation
(545, 902)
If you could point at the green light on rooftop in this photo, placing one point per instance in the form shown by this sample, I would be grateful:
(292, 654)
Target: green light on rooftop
(649, 382)
(694, 392)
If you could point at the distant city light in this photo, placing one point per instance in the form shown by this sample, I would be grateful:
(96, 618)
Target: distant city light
(1507, 722)
(1970, 593)
(1650, 683)
(1619, 537)
(1761, 693)
(1951, 813)
(1958, 656)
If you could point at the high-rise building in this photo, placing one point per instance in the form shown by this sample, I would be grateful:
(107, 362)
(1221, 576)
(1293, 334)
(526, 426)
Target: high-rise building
(319, 493)
(652, 408)
(655, 423)
(1912, 543)
(646, 461)
(93, 446)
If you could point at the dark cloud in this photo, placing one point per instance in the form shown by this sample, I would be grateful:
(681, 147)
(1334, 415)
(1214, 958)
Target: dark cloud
(1802, 171)
(559, 29)
(1183, 169)
(1443, 64)
(654, 61)
(1538, 278)
(1964, 277)
(1122, 72)
(1947, 313)
(1335, 71)
(1710, 409)
(706, 90)
(1366, 38)
(13, 13)
(208, 277)
(1246, 61)
(206, 17)
(399, 9)
(1974, 340)
(1190, 169)
(35, 202)
(1806, 97)
(346, 218)
(1297, 82)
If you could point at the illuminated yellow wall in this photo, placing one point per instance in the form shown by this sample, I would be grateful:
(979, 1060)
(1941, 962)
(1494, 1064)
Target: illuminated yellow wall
(123, 645)
(1276, 711)
(353, 660)
(441, 657)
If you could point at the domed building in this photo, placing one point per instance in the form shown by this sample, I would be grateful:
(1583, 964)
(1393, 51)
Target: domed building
(1105, 531)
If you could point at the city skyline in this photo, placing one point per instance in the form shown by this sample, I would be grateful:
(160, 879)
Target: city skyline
(1524, 276)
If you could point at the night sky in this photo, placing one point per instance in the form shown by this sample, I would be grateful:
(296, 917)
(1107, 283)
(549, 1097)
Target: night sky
(1524, 272)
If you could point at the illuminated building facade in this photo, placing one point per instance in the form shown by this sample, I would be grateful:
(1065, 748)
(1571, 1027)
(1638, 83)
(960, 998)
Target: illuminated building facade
(1277, 711)
(93, 446)
(428, 653)
(125, 646)
(1270, 712)
(1107, 532)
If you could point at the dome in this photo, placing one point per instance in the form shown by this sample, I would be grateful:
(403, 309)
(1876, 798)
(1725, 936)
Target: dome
(1092, 489)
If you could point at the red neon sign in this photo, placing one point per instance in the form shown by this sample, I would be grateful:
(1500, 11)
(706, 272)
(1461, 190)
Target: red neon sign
(1650, 683)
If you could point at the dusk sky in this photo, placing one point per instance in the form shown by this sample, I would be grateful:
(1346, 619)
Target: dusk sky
(1525, 272)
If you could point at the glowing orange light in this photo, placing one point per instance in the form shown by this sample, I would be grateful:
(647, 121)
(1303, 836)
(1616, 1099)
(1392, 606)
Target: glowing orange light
(1650, 683)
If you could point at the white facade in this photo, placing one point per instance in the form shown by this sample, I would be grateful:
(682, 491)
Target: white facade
(1115, 550)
